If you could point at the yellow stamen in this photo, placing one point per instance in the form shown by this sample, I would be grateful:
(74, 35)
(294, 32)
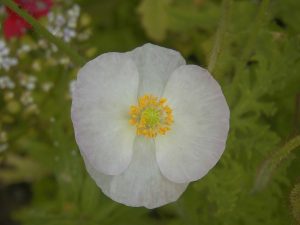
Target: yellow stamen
(151, 116)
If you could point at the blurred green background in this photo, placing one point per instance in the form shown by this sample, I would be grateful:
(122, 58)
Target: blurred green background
(251, 47)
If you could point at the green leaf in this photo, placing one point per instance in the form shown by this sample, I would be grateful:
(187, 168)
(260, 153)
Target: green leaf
(16, 169)
(154, 18)
(186, 17)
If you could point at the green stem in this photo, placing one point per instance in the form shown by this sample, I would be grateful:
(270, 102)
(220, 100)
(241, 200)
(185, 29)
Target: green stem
(74, 56)
(226, 6)
(271, 163)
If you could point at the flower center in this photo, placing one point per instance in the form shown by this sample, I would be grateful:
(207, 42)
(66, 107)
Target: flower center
(151, 116)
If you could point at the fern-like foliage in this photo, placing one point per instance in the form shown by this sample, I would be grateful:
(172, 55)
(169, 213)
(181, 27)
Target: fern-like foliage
(295, 202)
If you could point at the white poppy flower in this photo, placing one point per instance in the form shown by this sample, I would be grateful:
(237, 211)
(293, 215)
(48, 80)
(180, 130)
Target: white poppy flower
(147, 124)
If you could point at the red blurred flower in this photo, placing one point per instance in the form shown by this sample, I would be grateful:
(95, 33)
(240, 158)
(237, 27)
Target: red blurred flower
(15, 26)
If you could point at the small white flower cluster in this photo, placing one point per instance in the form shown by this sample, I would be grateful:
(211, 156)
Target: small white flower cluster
(5, 60)
(26, 98)
(6, 83)
(28, 82)
(64, 25)
(46, 87)
(25, 48)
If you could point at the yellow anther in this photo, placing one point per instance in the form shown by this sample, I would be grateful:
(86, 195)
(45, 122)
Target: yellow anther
(162, 101)
(132, 121)
(151, 116)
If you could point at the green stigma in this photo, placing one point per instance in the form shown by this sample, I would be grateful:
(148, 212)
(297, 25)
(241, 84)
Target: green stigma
(151, 116)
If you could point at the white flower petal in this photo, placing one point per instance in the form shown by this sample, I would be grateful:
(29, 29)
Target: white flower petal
(197, 138)
(142, 183)
(155, 65)
(105, 89)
